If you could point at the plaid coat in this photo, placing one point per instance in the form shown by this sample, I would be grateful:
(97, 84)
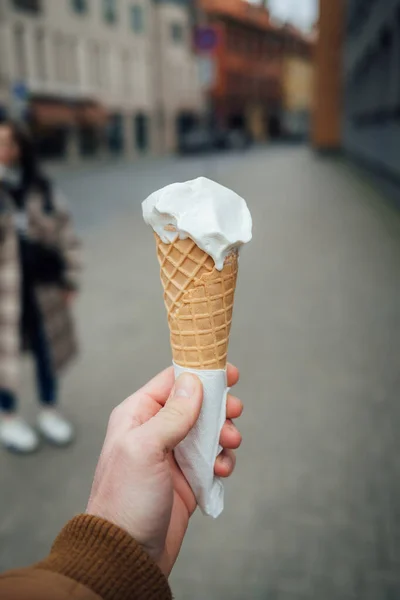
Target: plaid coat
(54, 229)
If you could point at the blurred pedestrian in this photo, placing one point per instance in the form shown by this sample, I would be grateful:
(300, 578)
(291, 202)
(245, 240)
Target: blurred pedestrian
(127, 543)
(39, 264)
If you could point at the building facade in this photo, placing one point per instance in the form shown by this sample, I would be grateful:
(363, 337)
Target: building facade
(247, 90)
(328, 88)
(178, 94)
(258, 64)
(357, 92)
(298, 83)
(90, 72)
(371, 100)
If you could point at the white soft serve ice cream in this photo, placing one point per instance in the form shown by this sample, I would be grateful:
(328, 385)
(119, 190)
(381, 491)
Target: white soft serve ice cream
(214, 217)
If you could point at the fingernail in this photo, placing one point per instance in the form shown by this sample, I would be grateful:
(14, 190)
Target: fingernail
(184, 386)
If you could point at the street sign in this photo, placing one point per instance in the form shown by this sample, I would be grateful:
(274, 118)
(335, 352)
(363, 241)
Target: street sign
(20, 99)
(205, 39)
(20, 91)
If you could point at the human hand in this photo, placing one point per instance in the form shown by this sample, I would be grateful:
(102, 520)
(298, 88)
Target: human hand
(138, 484)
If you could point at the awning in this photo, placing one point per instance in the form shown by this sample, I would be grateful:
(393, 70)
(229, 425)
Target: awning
(48, 113)
(52, 114)
(93, 115)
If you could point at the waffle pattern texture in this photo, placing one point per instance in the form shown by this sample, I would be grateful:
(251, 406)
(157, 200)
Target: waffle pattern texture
(199, 302)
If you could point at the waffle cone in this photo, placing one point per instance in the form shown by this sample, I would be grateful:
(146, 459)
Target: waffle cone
(199, 303)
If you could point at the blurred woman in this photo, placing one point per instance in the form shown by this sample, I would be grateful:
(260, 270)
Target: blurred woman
(38, 276)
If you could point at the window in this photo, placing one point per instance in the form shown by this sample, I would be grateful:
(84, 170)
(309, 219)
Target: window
(3, 67)
(71, 48)
(95, 65)
(385, 70)
(59, 58)
(230, 37)
(105, 67)
(110, 10)
(177, 33)
(253, 43)
(116, 133)
(40, 55)
(65, 53)
(79, 6)
(237, 43)
(21, 69)
(137, 20)
(141, 132)
(31, 6)
(126, 72)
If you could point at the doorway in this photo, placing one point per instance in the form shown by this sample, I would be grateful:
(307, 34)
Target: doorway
(141, 132)
(115, 133)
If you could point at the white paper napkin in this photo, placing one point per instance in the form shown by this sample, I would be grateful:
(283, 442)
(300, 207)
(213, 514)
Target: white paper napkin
(197, 453)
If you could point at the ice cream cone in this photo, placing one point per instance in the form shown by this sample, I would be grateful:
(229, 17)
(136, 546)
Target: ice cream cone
(198, 275)
(199, 302)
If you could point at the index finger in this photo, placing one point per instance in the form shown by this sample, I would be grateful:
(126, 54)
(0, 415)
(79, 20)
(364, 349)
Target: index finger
(142, 405)
(159, 388)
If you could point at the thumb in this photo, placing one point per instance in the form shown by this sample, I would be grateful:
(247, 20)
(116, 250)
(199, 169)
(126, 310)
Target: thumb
(179, 414)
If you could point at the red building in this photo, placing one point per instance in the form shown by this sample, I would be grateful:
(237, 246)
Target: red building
(247, 90)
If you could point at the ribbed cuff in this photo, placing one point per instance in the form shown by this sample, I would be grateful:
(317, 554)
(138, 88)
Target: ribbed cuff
(106, 560)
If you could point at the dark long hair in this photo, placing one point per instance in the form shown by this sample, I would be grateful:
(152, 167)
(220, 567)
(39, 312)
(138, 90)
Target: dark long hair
(28, 161)
(32, 176)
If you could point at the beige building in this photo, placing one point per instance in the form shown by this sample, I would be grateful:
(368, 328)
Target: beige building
(101, 75)
(297, 82)
(180, 99)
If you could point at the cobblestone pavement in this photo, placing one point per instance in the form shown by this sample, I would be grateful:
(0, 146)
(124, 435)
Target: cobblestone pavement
(313, 511)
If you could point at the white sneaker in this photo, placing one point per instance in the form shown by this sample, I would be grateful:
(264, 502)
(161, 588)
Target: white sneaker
(55, 428)
(16, 435)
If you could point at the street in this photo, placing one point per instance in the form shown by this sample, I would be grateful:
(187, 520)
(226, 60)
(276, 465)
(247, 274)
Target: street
(313, 509)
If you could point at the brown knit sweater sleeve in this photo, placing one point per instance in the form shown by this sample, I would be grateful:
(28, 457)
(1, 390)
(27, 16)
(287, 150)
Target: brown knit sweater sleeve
(105, 559)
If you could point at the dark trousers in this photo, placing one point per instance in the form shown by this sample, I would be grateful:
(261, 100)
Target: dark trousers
(45, 375)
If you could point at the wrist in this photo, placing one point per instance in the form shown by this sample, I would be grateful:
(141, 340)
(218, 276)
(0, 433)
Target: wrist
(106, 559)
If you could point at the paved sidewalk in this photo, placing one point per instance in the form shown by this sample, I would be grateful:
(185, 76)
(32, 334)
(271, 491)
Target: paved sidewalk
(313, 511)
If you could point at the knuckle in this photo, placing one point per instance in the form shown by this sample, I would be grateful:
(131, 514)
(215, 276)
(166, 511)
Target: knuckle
(174, 411)
(120, 413)
(114, 418)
